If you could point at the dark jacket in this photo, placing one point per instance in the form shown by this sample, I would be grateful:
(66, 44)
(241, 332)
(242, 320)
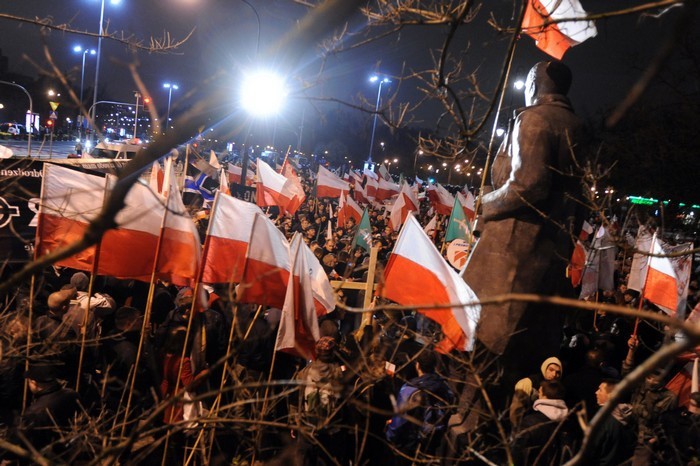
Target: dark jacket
(428, 400)
(613, 442)
(53, 406)
(544, 432)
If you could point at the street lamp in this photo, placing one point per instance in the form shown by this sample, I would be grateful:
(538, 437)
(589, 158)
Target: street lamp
(170, 88)
(31, 115)
(99, 49)
(78, 49)
(262, 94)
(374, 79)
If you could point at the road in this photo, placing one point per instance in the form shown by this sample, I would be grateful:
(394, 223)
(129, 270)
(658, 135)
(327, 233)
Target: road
(41, 149)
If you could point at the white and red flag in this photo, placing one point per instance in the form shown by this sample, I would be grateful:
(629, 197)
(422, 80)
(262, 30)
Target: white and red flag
(328, 184)
(441, 199)
(231, 224)
(370, 174)
(156, 178)
(557, 25)
(405, 203)
(386, 189)
(235, 172)
(298, 331)
(266, 270)
(71, 199)
(371, 187)
(224, 186)
(431, 228)
(360, 193)
(384, 173)
(214, 160)
(586, 231)
(348, 208)
(417, 274)
(468, 204)
(324, 296)
(276, 190)
(661, 287)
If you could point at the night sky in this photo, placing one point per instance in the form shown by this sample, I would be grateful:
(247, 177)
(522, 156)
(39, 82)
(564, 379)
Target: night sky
(225, 36)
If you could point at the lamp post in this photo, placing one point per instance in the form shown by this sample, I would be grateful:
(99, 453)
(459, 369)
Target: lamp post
(262, 94)
(79, 120)
(97, 66)
(31, 115)
(374, 79)
(170, 88)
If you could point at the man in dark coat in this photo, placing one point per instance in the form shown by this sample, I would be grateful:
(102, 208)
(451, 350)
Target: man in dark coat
(528, 222)
(53, 407)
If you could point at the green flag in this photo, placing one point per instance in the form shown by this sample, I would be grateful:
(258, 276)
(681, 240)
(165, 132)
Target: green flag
(459, 227)
(363, 237)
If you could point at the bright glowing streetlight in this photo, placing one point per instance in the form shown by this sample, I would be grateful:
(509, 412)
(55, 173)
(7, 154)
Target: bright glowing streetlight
(263, 93)
(99, 49)
(381, 81)
(170, 88)
(519, 84)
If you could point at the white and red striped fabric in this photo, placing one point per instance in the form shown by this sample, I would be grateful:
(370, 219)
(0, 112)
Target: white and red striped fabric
(371, 187)
(224, 186)
(384, 173)
(214, 160)
(416, 274)
(386, 189)
(298, 331)
(431, 228)
(441, 199)
(71, 199)
(156, 178)
(276, 190)
(267, 266)
(405, 203)
(235, 172)
(660, 287)
(231, 224)
(328, 184)
(347, 208)
(324, 296)
(360, 193)
(468, 204)
(553, 37)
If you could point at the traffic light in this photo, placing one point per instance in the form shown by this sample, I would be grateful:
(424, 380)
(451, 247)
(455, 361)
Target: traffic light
(146, 103)
(49, 124)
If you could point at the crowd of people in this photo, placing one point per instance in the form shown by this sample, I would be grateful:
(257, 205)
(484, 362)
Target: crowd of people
(376, 392)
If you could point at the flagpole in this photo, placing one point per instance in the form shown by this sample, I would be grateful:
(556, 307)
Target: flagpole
(489, 152)
(83, 329)
(646, 277)
(147, 313)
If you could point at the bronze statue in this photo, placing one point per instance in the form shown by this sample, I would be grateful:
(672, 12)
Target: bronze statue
(527, 221)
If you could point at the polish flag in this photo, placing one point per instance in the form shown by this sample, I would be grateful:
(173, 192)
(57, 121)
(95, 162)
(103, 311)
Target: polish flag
(405, 203)
(577, 264)
(685, 381)
(468, 204)
(371, 188)
(214, 160)
(552, 37)
(660, 287)
(324, 296)
(386, 189)
(416, 274)
(267, 266)
(419, 182)
(442, 200)
(231, 224)
(347, 208)
(298, 331)
(235, 172)
(70, 200)
(328, 184)
(275, 190)
(370, 174)
(355, 176)
(586, 231)
(384, 173)
(360, 193)
(156, 178)
(224, 186)
(431, 228)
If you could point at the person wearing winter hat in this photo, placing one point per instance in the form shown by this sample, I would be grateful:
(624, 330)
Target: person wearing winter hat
(51, 324)
(526, 389)
(534, 437)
